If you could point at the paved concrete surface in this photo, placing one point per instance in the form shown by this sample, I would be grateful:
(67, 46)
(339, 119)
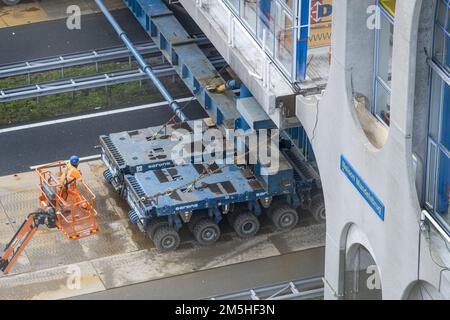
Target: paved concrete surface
(120, 255)
(223, 280)
(33, 11)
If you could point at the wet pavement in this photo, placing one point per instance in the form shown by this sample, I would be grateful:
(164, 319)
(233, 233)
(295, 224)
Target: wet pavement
(120, 255)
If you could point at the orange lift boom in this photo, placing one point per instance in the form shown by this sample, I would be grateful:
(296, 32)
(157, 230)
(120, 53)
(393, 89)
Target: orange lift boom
(71, 210)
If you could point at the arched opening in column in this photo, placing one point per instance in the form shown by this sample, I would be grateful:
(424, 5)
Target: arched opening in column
(422, 290)
(362, 277)
(369, 57)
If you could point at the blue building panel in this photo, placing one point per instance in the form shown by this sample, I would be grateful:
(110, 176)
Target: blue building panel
(302, 40)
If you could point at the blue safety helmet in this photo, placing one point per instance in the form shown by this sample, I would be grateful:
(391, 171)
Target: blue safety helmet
(74, 160)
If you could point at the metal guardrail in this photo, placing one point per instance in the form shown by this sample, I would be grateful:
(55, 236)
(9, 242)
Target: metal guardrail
(72, 60)
(89, 82)
(295, 290)
(83, 58)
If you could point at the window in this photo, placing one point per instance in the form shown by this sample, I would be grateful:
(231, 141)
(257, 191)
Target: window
(283, 40)
(441, 52)
(248, 13)
(438, 160)
(271, 23)
(383, 61)
(234, 4)
(266, 25)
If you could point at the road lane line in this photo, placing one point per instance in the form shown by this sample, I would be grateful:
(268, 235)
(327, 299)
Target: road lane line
(82, 159)
(89, 116)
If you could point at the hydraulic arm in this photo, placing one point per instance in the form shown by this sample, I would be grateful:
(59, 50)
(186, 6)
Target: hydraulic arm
(69, 209)
(23, 236)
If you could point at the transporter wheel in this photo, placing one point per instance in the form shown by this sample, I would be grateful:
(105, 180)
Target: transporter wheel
(196, 217)
(246, 224)
(153, 225)
(11, 2)
(166, 239)
(283, 216)
(206, 232)
(317, 208)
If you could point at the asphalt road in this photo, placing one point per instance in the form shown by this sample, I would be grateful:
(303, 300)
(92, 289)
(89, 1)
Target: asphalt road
(52, 38)
(21, 149)
(24, 148)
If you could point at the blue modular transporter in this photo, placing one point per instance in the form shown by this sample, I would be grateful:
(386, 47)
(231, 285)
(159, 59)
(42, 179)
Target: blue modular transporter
(141, 150)
(164, 195)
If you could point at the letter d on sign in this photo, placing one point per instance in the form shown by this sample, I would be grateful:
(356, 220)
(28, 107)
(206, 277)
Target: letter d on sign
(74, 19)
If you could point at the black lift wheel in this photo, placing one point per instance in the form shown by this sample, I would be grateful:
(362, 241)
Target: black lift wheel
(246, 224)
(283, 216)
(206, 231)
(317, 208)
(166, 239)
(153, 225)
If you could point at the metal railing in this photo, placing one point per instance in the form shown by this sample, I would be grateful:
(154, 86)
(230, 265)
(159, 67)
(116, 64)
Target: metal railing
(311, 288)
(90, 82)
(82, 58)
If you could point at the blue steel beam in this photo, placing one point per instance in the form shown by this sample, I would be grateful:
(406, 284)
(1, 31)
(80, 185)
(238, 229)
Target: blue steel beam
(187, 59)
(143, 64)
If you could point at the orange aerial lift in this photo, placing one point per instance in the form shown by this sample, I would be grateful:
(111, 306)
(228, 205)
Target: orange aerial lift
(70, 209)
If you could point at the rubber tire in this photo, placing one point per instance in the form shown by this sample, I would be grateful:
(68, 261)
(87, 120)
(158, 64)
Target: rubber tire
(154, 225)
(164, 233)
(278, 213)
(11, 2)
(195, 219)
(239, 222)
(200, 231)
(317, 208)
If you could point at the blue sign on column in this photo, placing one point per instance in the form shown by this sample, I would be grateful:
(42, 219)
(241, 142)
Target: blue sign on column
(363, 189)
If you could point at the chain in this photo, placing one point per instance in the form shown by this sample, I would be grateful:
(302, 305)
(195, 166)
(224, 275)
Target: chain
(184, 107)
(190, 185)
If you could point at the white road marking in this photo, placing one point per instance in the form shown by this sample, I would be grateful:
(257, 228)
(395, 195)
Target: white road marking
(88, 116)
(82, 159)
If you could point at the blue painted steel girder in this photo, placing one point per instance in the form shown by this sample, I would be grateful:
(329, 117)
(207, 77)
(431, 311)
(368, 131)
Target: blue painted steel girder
(187, 59)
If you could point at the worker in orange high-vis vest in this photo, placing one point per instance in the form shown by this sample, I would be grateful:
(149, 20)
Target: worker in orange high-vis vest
(71, 174)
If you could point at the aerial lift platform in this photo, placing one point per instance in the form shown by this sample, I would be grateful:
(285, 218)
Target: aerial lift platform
(69, 209)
